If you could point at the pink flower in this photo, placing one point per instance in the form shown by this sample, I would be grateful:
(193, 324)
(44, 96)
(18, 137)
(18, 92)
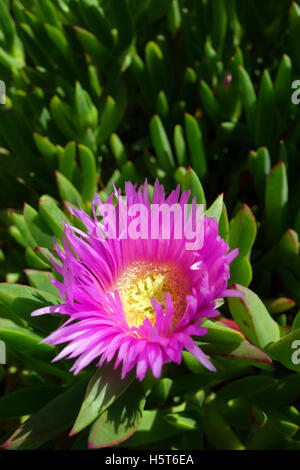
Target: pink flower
(137, 301)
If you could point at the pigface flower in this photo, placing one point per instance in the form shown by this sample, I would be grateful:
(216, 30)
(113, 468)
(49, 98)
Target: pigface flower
(136, 287)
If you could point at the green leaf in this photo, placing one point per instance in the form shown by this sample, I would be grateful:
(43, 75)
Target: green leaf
(158, 8)
(248, 96)
(138, 8)
(67, 160)
(174, 17)
(92, 46)
(283, 82)
(191, 182)
(296, 322)
(115, 180)
(282, 423)
(195, 143)
(219, 25)
(46, 12)
(67, 191)
(241, 271)
(253, 318)
(7, 27)
(59, 40)
(52, 215)
(37, 227)
(287, 350)
(23, 300)
(123, 23)
(260, 164)
(63, 117)
(118, 149)
(283, 154)
(9, 61)
(35, 260)
(17, 235)
(94, 80)
(138, 71)
(45, 255)
(161, 391)
(182, 422)
(266, 437)
(103, 389)
(162, 105)
(276, 200)
(245, 386)
(22, 339)
(221, 334)
(219, 433)
(248, 353)
(40, 280)
(280, 305)
(195, 366)
(180, 146)
(288, 249)
(20, 223)
(129, 172)
(161, 144)
(110, 119)
(27, 401)
(29, 33)
(265, 112)
(291, 283)
(45, 367)
(224, 225)
(210, 103)
(179, 175)
(155, 67)
(120, 421)
(45, 146)
(88, 166)
(243, 231)
(87, 114)
(294, 26)
(153, 428)
(96, 21)
(211, 57)
(215, 349)
(56, 417)
(285, 392)
(215, 210)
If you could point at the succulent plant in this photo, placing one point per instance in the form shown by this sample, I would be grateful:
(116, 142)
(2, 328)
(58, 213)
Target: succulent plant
(191, 92)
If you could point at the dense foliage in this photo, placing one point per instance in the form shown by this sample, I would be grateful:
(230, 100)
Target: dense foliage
(194, 92)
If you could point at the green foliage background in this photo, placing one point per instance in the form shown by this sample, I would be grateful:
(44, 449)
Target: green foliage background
(194, 92)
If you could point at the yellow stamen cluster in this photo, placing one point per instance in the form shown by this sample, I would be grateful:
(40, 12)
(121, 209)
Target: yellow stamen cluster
(143, 281)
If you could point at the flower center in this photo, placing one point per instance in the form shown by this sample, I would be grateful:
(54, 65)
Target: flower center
(143, 281)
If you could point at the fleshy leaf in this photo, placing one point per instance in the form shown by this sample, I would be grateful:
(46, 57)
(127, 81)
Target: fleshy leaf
(221, 334)
(54, 418)
(253, 318)
(24, 340)
(276, 200)
(287, 350)
(103, 389)
(27, 400)
(215, 210)
(120, 420)
(195, 143)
